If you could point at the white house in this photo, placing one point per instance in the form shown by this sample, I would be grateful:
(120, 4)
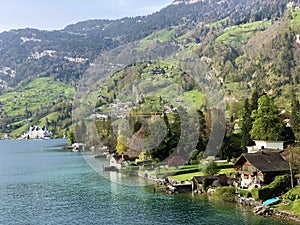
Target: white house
(275, 145)
(77, 147)
(36, 132)
(119, 161)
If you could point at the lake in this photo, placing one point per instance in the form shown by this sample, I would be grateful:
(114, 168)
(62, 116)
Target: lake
(41, 183)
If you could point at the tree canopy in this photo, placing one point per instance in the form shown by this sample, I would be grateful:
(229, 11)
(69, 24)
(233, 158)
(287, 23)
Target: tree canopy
(267, 124)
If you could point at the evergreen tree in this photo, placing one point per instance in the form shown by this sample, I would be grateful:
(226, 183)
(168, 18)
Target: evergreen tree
(71, 138)
(267, 124)
(246, 125)
(254, 100)
(175, 128)
(83, 131)
(77, 133)
(197, 155)
(231, 146)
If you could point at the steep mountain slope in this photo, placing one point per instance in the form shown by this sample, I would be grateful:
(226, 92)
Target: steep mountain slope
(246, 43)
(66, 54)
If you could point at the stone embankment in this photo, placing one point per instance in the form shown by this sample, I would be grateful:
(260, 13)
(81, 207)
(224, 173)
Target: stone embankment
(287, 216)
(259, 209)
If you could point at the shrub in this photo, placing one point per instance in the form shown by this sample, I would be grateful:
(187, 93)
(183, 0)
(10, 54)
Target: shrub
(225, 193)
(293, 194)
(280, 185)
(211, 168)
(255, 194)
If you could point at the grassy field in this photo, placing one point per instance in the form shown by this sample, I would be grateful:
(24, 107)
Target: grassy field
(34, 100)
(189, 176)
(289, 206)
(161, 35)
(186, 172)
(240, 33)
(32, 96)
(296, 18)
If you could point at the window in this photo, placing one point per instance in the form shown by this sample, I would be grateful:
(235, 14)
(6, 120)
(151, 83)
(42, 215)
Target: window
(245, 168)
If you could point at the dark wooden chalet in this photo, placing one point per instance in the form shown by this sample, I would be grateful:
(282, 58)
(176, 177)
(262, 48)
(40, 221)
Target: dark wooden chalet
(260, 168)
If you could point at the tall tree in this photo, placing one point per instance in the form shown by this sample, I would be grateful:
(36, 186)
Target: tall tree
(295, 117)
(246, 125)
(122, 144)
(267, 124)
(254, 100)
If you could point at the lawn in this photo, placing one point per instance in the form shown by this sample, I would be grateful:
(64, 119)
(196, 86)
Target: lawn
(189, 176)
(290, 207)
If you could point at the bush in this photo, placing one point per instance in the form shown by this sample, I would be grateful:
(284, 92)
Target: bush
(225, 194)
(211, 168)
(255, 194)
(244, 193)
(293, 194)
(280, 185)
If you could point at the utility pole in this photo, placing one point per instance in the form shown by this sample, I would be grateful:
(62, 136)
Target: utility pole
(291, 169)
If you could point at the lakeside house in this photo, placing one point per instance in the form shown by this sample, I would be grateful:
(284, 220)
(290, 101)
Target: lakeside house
(36, 132)
(260, 168)
(119, 161)
(77, 147)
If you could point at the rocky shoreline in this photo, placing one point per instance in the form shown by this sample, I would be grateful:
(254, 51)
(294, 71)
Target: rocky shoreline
(266, 211)
(257, 206)
(287, 216)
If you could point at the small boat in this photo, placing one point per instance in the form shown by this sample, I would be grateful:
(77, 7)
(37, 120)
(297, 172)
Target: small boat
(271, 201)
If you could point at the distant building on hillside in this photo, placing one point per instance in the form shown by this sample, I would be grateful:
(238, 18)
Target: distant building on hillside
(36, 132)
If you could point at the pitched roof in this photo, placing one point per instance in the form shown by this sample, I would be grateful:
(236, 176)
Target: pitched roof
(118, 157)
(265, 161)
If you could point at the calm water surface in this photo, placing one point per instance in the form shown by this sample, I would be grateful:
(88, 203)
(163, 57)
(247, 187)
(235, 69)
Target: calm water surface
(40, 183)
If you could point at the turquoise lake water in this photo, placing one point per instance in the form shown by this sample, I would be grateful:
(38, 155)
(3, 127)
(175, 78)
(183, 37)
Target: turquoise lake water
(40, 183)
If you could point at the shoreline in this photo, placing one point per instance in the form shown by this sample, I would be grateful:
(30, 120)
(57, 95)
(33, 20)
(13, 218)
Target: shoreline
(286, 216)
(249, 202)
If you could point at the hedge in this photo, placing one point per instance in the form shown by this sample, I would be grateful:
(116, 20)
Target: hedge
(280, 185)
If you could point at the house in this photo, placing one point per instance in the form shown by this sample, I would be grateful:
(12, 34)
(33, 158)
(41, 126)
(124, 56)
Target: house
(290, 5)
(36, 132)
(257, 169)
(77, 147)
(259, 144)
(118, 161)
